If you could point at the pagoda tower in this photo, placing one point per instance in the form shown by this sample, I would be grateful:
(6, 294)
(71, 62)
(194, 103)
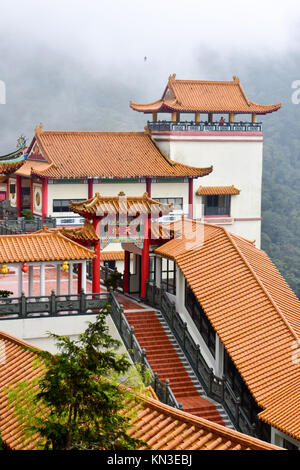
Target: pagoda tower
(207, 123)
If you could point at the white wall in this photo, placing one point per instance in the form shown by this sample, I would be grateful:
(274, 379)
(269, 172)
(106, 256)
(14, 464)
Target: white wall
(36, 330)
(65, 191)
(278, 436)
(113, 189)
(236, 161)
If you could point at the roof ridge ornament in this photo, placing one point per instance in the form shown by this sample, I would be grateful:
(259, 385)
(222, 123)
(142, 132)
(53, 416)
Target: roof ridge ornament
(39, 129)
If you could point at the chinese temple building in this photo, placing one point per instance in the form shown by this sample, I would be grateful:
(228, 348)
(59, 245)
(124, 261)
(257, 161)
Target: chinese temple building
(214, 122)
(65, 166)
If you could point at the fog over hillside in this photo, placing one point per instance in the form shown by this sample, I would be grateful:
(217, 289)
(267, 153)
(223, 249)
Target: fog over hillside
(76, 65)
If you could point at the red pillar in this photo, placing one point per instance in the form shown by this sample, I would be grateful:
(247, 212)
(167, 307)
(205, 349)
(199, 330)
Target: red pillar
(90, 188)
(191, 198)
(148, 186)
(19, 194)
(31, 195)
(7, 189)
(96, 262)
(145, 257)
(44, 198)
(79, 279)
(126, 276)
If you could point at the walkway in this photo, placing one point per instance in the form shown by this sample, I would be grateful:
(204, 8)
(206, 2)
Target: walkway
(164, 360)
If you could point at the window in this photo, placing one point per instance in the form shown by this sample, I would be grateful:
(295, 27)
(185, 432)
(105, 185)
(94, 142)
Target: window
(168, 275)
(62, 205)
(12, 189)
(176, 201)
(240, 389)
(152, 268)
(201, 321)
(289, 445)
(217, 204)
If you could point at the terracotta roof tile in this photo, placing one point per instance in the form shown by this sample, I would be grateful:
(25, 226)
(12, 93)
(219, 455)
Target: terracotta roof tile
(107, 155)
(212, 190)
(204, 96)
(166, 427)
(121, 204)
(84, 233)
(251, 307)
(44, 245)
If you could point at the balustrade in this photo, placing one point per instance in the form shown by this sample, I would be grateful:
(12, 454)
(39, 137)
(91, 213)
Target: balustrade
(205, 126)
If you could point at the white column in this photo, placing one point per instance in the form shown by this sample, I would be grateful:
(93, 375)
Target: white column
(158, 271)
(20, 279)
(219, 357)
(180, 291)
(58, 278)
(70, 283)
(30, 281)
(83, 276)
(42, 280)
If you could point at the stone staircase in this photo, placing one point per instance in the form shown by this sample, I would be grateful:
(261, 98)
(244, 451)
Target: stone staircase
(168, 361)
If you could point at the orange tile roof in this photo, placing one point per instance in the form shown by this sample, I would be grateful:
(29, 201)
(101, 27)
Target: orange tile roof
(121, 204)
(251, 307)
(212, 190)
(283, 406)
(17, 365)
(204, 96)
(161, 426)
(31, 165)
(44, 245)
(107, 155)
(84, 233)
(112, 255)
(167, 428)
(6, 168)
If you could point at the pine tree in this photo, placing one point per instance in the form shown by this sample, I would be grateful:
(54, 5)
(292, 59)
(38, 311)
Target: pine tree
(83, 407)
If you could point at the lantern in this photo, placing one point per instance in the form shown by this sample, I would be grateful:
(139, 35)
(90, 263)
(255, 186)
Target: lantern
(4, 269)
(24, 267)
(65, 266)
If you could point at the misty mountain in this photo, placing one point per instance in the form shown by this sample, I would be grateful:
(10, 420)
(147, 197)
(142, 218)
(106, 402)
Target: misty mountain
(43, 85)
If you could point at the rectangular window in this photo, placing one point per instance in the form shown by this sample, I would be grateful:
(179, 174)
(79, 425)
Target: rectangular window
(217, 204)
(176, 201)
(62, 205)
(12, 189)
(168, 275)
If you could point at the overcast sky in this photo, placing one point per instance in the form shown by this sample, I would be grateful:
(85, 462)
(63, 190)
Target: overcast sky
(118, 30)
(96, 38)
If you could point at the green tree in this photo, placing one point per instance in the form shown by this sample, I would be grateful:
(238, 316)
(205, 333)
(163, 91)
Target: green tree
(80, 404)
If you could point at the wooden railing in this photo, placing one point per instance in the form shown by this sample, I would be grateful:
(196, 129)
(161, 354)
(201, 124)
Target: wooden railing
(215, 387)
(52, 305)
(138, 355)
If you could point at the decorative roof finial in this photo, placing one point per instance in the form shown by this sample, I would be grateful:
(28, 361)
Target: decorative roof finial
(39, 129)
